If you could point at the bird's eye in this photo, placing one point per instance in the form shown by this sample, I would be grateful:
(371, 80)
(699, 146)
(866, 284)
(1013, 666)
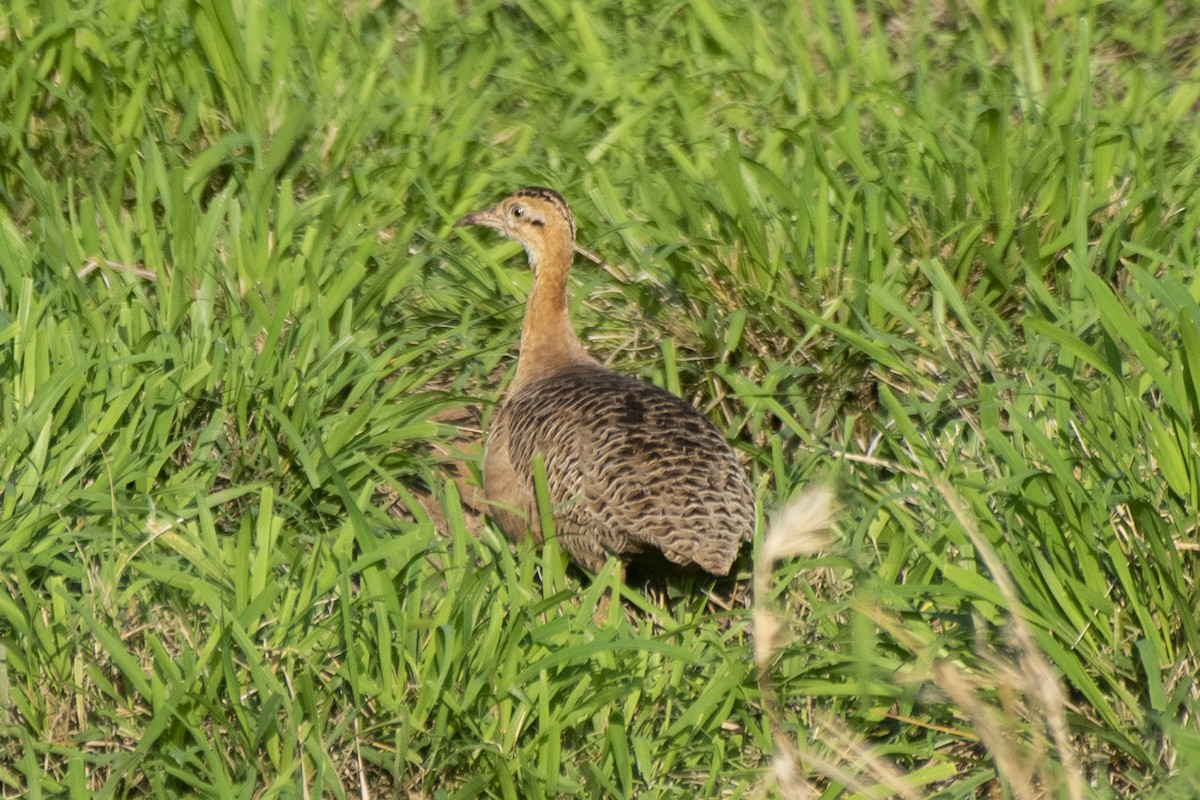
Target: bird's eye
(518, 211)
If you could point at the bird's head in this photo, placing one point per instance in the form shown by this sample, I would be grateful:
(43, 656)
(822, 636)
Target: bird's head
(536, 217)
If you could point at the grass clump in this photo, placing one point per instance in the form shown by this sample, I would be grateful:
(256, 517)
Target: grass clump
(940, 255)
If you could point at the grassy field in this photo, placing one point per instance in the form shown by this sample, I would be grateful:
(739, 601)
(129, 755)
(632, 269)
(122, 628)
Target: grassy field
(939, 254)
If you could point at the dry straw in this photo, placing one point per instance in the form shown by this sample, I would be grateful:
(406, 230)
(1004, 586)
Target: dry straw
(1024, 761)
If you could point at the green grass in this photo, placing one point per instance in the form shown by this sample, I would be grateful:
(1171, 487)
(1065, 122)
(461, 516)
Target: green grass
(941, 254)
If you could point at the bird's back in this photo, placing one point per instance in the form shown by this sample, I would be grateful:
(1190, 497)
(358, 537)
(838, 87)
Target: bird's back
(629, 467)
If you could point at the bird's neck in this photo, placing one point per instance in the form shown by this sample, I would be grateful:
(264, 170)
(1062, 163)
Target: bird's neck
(548, 340)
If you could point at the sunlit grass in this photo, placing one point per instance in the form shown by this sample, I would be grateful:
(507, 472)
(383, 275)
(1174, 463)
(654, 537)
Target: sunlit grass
(939, 256)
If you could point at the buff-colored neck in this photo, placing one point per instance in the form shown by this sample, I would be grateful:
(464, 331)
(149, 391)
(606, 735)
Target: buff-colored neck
(548, 340)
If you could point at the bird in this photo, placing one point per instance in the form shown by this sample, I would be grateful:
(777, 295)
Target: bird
(630, 468)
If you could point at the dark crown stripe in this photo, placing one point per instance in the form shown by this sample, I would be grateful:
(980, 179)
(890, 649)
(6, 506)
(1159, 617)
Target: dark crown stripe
(552, 197)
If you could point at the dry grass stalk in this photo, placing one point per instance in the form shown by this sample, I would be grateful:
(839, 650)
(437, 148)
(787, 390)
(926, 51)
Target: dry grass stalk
(1024, 767)
(1038, 678)
(800, 530)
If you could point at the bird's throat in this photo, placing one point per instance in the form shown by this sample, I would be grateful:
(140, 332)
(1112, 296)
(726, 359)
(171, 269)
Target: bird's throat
(548, 340)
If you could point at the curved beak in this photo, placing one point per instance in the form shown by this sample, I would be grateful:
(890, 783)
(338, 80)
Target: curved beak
(488, 218)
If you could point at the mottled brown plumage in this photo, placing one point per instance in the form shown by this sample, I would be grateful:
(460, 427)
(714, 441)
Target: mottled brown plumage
(629, 467)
